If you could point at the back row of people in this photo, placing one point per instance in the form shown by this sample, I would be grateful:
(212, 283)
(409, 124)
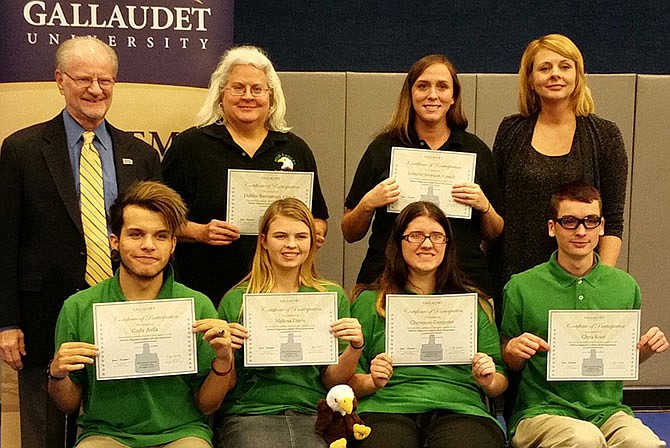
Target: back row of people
(556, 138)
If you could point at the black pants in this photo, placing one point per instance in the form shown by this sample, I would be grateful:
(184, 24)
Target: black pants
(42, 423)
(435, 429)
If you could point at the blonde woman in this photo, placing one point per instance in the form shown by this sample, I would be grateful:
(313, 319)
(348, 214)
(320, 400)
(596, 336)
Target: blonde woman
(556, 138)
(276, 406)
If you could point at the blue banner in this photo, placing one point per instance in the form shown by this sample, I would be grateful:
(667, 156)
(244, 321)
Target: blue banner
(174, 42)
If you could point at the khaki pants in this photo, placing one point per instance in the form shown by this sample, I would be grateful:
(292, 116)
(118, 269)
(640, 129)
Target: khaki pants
(10, 426)
(620, 430)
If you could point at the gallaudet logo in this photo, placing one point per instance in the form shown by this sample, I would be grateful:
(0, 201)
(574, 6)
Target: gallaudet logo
(128, 25)
(173, 42)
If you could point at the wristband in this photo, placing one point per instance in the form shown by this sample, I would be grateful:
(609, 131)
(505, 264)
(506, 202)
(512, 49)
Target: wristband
(51, 377)
(487, 209)
(357, 348)
(217, 373)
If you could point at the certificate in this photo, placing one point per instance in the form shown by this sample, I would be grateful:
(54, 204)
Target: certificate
(425, 175)
(431, 330)
(144, 338)
(593, 345)
(290, 329)
(250, 192)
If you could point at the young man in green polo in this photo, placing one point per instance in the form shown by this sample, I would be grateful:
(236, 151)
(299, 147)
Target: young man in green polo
(570, 413)
(167, 411)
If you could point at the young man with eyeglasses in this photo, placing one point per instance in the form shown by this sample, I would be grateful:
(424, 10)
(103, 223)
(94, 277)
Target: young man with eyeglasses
(44, 250)
(575, 413)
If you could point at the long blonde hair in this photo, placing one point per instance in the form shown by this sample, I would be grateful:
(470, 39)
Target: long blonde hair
(581, 97)
(262, 277)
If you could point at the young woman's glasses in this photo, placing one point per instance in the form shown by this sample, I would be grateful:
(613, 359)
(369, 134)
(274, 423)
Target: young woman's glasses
(572, 222)
(420, 237)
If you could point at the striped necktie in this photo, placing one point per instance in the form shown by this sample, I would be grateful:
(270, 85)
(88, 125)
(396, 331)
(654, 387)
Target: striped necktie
(93, 214)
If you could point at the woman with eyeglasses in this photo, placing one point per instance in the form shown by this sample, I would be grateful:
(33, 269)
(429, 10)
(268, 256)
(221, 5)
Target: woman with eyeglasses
(275, 406)
(428, 115)
(556, 138)
(425, 405)
(241, 125)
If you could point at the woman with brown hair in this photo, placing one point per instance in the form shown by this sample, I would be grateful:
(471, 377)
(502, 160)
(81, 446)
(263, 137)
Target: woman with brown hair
(425, 405)
(428, 115)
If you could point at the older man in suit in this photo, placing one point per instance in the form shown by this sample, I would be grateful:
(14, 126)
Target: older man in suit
(45, 255)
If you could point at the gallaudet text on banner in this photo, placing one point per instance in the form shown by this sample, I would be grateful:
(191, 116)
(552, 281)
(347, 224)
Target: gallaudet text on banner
(175, 42)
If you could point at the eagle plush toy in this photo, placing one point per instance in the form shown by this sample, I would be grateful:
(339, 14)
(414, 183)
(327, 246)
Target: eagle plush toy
(336, 420)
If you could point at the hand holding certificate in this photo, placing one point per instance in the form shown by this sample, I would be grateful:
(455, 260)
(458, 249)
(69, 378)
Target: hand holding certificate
(290, 329)
(593, 345)
(145, 338)
(425, 175)
(250, 192)
(432, 329)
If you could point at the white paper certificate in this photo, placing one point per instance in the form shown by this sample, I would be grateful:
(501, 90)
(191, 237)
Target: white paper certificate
(431, 330)
(593, 345)
(250, 192)
(425, 175)
(145, 338)
(290, 329)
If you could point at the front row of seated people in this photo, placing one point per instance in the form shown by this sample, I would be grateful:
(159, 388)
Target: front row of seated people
(406, 406)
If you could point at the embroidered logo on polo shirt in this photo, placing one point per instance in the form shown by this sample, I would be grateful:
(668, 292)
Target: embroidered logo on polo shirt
(286, 161)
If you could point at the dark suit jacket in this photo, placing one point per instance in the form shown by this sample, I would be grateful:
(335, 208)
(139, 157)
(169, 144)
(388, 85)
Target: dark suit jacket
(42, 248)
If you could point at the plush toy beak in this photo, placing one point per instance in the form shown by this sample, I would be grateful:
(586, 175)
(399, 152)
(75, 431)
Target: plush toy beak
(346, 404)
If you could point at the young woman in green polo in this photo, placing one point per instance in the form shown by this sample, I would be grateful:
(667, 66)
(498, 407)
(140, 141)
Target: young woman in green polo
(425, 405)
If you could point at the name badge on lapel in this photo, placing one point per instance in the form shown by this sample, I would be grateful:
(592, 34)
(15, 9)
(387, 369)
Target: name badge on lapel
(127, 161)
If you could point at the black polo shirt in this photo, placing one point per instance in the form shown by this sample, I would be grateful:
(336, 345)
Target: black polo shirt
(196, 166)
(374, 168)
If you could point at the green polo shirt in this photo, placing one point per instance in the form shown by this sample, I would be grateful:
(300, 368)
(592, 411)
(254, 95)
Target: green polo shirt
(528, 297)
(270, 390)
(417, 389)
(144, 411)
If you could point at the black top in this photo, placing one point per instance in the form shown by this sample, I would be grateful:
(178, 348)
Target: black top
(374, 168)
(527, 179)
(196, 166)
(42, 249)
